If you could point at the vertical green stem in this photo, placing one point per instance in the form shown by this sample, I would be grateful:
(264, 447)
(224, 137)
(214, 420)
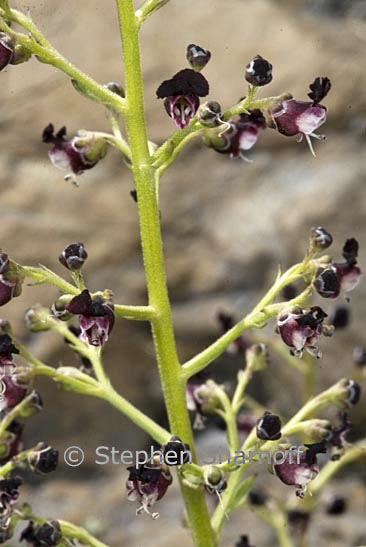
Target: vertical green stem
(169, 367)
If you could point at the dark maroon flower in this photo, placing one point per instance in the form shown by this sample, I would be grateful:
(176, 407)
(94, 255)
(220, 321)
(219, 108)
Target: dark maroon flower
(11, 442)
(243, 542)
(47, 534)
(198, 57)
(14, 393)
(292, 117)
(96, 317)
(176, 452)
(73, 256)
(300, 329)
(339, 277)
(299, 469)
(8, 497)
(14, 385)
(10, 280)
(239, 136)
(181, 94)
(78, 154)
(6, 50)
(269, 427)
(146, 485)
(258, 72)
(43, 459)
(336, 505)
(226, 322)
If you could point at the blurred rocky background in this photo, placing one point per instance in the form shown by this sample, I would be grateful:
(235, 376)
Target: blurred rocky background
(227, 224)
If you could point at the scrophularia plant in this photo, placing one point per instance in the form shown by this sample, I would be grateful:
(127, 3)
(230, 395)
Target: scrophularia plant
(85, 318)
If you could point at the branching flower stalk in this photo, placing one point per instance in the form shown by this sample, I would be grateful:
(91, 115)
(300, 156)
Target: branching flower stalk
(232, 132)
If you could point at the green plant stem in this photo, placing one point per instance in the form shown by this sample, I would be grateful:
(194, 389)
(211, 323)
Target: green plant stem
(147, 9)
(257, 317)
(39, 45)
(276, 518)
(169, 367)
(75, 380)
(293, 425)
(14, 462)
(244, 378)
(14, 413)
(309, 376)
(44, 275)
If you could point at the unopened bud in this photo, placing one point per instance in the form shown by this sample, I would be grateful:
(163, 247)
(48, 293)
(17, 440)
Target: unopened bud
(197, 56)
(73, 256)
(258, 72)
(115, 88)
(320, 239)
(37, 318)
(257, 357)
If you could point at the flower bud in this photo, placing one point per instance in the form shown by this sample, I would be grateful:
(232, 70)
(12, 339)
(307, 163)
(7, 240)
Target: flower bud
(73, 256)
(176, 452)
(258, 72)
(5, 327)
(269, 427)
(33, 406)
(21, 55)
(345, 393)
(208, 394)
(197, 56)
(43, 459)
(215, 480)
(210, 114)
(58, 308)
(318, 430)
(37, 318)
(11, 442)
(359, 356)
(336, 505)
(115, 88)
(257, 357)
(320, 239)
(47, 534)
